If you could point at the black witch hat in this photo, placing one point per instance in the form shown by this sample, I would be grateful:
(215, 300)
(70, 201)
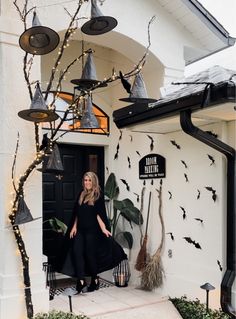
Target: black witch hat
(38, 40)
(38, 111)
(138, 92)
(23, 214)
(89, 75)
(53, 163)
(89, 119)
(98, 24)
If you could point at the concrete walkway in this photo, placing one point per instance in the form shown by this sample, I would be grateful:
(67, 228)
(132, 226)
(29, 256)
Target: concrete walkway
(114, 303)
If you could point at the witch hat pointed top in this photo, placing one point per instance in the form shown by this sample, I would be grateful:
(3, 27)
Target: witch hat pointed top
(52, 163)
(89, 119)
(38, 111)
(89, 75)
(138, 92)
(23, 214)
(38, 39)
(98, 24)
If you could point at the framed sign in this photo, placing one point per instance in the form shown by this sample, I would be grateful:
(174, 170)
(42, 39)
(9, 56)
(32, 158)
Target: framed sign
(152, 166)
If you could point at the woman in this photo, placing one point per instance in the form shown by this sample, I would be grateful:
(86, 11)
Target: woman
(93, 250)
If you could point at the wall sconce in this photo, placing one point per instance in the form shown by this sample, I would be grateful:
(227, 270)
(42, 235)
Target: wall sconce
(207, 287)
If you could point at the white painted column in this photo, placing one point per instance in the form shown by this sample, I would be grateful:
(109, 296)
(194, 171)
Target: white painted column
(14, 97)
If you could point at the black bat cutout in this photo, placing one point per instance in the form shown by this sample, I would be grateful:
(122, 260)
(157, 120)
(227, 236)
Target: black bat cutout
(211, 158)
(144, 183)
(199, 220)
(126, 184)
(137, 197)
(219, 264)
(186, 177)
(184, 212)
(125, 83)
(117, 151)
(198, 194)
(214, 196)
(128, 158)
(171, 235)
(152, 142)
(131, 138)
(107, 170)
(191, 241)
(152, 182)
(170, 194)
(185, 165)
(120, 137)
(138, 153)
(175, 144)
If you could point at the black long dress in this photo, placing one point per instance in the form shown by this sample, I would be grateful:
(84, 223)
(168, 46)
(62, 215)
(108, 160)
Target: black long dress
(90, 252)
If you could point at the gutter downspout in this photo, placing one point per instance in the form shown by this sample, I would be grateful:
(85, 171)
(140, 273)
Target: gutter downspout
(230, 153)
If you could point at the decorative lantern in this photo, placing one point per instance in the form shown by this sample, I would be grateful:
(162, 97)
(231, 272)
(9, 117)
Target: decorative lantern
(121, 274)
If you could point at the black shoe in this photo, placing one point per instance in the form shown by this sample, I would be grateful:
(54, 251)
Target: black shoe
(80, 286)
(94, 285)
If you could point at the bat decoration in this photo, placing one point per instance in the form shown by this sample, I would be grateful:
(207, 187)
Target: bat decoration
(128, 158)
(125, 83)
(171, 236)
(117, 151)
(175, 144)
(152, 182)
(45, 141)
(144, 183)
(107, 170)
(211, 158)
(170, 194)
(219, 264)
(185, 165)
(152, 142)
(120, 137)
(212, 134)
(137, 197)
(138, 153)
(131, 138)
(213, 191)
(190, 241)
(184, 212)
(198, 194)
(199, 220)
(186, 177)
(126, 184)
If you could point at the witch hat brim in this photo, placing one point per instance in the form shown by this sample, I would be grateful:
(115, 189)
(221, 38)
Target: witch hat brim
(38, 115)
(39, 40)
(99, 25)
(83, 84)
(138, 100)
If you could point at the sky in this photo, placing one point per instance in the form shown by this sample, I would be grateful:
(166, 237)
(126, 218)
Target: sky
(225, 12)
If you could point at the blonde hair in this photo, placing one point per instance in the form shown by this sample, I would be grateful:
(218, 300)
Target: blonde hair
(90, 196)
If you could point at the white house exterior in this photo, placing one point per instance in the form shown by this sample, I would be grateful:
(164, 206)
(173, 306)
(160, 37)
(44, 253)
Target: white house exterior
(180, 34)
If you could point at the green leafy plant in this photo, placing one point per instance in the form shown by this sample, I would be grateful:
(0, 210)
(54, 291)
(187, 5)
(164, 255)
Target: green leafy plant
(120, 208)
(57, 225)
(59, 315)
(193, 309)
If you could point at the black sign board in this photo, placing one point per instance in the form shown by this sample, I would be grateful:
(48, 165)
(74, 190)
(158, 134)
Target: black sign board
(152, 166)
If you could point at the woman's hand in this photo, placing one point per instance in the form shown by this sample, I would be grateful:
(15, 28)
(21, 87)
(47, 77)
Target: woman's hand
(106, 232)
(73, 231)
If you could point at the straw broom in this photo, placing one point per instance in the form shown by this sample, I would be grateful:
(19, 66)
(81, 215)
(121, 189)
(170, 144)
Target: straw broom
(141, 260)
(152, 274)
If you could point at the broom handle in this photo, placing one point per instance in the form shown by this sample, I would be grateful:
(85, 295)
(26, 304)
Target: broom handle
(149, 202)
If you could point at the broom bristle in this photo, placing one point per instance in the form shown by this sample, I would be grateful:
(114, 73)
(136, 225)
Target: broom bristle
(141, 260)
(152, 275)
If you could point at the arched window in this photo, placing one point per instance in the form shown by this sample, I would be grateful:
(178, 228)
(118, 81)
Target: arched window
(72, 123)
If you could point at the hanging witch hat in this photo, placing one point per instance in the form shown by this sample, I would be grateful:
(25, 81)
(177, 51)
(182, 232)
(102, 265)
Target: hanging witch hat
(138, 92)
(89, 119)
(98, 24)
(38, 111)
(89, 75)
(38, 40)
(52, 163)
(23, 214)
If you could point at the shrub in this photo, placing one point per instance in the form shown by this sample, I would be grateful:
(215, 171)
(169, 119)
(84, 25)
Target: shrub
(59, 315)
(193, 309)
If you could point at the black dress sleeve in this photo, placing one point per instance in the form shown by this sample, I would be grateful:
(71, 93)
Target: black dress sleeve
(101, 211)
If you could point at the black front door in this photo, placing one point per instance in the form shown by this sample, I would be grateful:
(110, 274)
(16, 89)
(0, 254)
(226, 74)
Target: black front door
(59, 194)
